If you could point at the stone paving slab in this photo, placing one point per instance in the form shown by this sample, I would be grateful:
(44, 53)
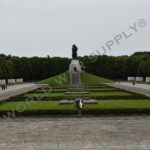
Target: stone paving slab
(137, 88)
(93, 133)
(17, 89)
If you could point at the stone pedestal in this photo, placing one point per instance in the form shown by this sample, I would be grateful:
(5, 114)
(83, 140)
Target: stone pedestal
(75, 78)
(75, 72)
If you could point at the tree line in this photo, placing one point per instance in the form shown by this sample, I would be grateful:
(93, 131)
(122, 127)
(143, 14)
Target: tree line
(38, 68)
(119, 68)
(31, 69)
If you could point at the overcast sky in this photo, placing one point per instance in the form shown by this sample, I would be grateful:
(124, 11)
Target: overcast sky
(51, 27)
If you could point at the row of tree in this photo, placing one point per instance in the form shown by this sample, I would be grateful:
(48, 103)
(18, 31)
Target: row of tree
(31, 69)
(38, 68)
(120, 67)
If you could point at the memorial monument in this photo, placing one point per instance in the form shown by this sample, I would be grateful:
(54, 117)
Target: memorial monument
(76, 86)
(75, 69)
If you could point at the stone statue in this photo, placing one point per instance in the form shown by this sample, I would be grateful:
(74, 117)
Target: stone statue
(74, 51)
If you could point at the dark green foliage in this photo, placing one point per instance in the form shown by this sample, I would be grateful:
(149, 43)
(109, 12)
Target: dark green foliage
(32, 69)
(119, 68)
(75, 112)
(37, 68)
(6, 68)
(141, 53)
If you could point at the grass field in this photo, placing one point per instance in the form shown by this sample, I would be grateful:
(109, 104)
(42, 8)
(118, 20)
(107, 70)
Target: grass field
(59, 79)
(86, 78)
(109, 100)
(92, 79)
(54, 105)
(120, 93)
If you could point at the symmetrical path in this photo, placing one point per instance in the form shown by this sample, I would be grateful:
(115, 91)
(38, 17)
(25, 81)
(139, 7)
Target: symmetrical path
(137, 88)
(97, 133)
(16, 90)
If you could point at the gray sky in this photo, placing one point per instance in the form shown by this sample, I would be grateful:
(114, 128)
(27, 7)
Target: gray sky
(50, 27)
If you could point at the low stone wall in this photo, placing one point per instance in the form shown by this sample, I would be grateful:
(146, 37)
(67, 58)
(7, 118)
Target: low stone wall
(147, 79)
(139, 79)
(131, 78)
(19, 80)
(11, 81)
(2, 82)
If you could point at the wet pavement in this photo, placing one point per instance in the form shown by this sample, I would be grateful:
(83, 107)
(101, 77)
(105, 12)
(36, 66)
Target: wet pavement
(90, 133)
(16, 90)
(137, 88)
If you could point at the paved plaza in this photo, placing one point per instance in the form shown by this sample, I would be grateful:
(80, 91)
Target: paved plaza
(83, 133)
(96, 133)
(137, 88)
(16, 90)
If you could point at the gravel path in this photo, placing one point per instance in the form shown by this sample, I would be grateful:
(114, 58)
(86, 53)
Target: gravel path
(99, 133)
(137, 88)
(16, 90)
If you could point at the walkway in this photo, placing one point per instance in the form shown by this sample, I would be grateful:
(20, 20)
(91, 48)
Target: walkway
(137, 88)
(98, 133)
(16, 90)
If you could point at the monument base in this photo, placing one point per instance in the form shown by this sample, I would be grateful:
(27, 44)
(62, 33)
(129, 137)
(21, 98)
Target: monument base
(75, 78)
(74, 72)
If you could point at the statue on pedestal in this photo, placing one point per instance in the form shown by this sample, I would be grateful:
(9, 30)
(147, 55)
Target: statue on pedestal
(74, 52)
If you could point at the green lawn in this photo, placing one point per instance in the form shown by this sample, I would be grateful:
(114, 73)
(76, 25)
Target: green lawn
(54, 105)
(121, 104)
(64, 79)
(101, 89)
(36, 105)
(92, 79)
(56, 90)
(119, 93)
(57, 80)
(109, 100)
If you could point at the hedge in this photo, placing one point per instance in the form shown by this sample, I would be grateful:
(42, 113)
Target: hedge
(75, 112)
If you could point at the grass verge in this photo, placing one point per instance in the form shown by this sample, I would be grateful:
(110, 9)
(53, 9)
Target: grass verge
(53, 108)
